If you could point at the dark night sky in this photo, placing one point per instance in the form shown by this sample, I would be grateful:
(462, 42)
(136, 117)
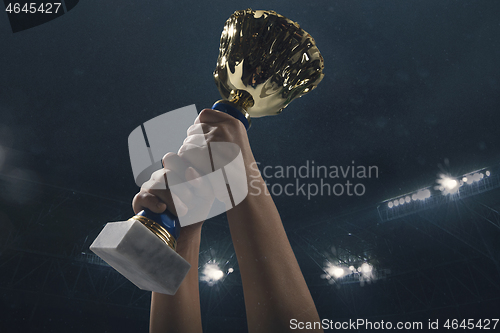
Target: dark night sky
(407, 85)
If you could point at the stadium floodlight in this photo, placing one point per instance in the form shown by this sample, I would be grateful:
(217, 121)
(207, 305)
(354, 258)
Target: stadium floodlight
(423, 194)
(211, 274)
(338, 272)
(467, 185)
(474, 177)
(334, 271)
(366, 268)
(343, 274)
(448, 184)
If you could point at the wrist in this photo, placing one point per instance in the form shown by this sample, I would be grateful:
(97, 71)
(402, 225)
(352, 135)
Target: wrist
(189, 238)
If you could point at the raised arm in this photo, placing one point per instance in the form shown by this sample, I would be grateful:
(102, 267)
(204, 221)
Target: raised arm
(273, 285)
(179, 312)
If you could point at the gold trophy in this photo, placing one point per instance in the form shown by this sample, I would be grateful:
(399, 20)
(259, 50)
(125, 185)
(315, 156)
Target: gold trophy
(265, 61)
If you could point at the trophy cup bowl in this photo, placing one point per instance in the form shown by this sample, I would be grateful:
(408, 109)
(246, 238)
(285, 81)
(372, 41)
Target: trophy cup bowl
(265, 61)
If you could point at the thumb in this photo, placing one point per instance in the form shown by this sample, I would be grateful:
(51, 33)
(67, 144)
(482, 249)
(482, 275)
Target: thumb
(193, 177)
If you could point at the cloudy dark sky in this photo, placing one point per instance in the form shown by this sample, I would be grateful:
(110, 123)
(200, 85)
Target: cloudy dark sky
(412, 87)
(407, 85)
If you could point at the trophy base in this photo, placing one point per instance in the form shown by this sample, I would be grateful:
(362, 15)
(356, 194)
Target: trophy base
(140, 256)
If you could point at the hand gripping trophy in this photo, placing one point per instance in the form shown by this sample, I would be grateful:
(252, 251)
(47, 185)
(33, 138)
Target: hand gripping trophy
(265, 61)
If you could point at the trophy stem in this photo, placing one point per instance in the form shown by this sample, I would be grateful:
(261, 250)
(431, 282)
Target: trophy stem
(236, 110)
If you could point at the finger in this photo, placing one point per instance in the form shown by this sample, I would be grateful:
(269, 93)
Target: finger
(189, 146)
(196, 139)
(174, 162)
(143, 200)
(174, 204)
(193, 177)
(157, 181)
(199, 128)
(197, 157)
(176, 184)
(202, 186)
(162, 183)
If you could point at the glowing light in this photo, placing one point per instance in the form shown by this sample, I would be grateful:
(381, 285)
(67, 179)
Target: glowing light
(448, 185)
(366, 268)
(211, 274)
(334, 271)
(471, 178)
(488, 173)
(476, 177)
(414, 197)
(230, 270)
(401, 201)
(423, 194)
(338, 272)
(366, 275)
(396, 203)
(407, 199)
(390, 204)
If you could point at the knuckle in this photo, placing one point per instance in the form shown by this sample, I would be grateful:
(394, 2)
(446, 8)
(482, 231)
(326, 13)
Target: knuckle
(146, 185)
(198, 128)
(167, 157)
(140, 198)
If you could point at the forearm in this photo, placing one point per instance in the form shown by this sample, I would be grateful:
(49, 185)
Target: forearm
(274, 287)
(180, 312)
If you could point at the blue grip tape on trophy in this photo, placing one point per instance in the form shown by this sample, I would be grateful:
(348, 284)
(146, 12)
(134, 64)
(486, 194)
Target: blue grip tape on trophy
(166, 219)
(231, 110)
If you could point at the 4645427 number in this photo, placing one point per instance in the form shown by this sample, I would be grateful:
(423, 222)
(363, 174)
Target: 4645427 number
(32, 8)
(485, 324)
